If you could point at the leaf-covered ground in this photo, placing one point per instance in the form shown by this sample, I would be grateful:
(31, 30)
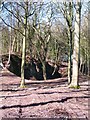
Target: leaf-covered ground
(42, 99)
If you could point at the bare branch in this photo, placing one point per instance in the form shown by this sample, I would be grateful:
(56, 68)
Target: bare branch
(13, 14)
(11, 26)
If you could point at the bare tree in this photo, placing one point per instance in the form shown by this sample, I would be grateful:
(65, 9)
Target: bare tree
(22, 18)
(66, 8)
(89, 38)
(24, 45)
(75, 70)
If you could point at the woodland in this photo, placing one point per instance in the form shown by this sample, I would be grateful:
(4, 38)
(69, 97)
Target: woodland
(45, 53)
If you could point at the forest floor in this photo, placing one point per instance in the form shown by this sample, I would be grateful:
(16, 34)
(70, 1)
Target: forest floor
(42, 99)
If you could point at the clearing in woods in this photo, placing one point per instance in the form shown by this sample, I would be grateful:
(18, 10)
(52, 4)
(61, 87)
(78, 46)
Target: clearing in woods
(42, 99)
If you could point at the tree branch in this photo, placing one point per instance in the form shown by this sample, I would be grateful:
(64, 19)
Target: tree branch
(13, 14)
(11, 26)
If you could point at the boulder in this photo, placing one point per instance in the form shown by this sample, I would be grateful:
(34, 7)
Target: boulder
(33, 68)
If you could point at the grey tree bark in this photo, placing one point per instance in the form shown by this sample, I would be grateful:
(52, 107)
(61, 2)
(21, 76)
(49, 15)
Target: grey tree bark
(75, 70)
(24, 46)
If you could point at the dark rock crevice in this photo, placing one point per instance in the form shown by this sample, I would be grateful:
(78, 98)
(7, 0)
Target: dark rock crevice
(30, 68)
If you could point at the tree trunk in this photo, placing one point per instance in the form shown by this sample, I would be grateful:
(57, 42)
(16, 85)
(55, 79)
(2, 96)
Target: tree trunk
(70, 58)
(1, 43)
(17, 44)
(69, 19)
(24, 47)
(75, 70)
(89, 67)
(18, 35)
(44, 70)
(89, 40)
(10, 45)
(23, 60)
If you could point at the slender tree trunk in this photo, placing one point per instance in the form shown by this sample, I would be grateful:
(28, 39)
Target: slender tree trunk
(13, 44)
(86, 59)
(1, 44)
(75, 70)
(69, 70)
(30, 49)
(89, 67)
(44, 70)
(10, 45)
(44, 64)
(24, 47)
(70, 59)
(23, 60)
(81, 62)
(17, 44)
(69, 20)
(18, 35)
(89, 40)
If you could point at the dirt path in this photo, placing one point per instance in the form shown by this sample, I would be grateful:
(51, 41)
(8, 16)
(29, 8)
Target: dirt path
(50, 99)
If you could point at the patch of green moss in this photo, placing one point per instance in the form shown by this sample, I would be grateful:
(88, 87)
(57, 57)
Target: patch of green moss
(75, 87)
(22, 86)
